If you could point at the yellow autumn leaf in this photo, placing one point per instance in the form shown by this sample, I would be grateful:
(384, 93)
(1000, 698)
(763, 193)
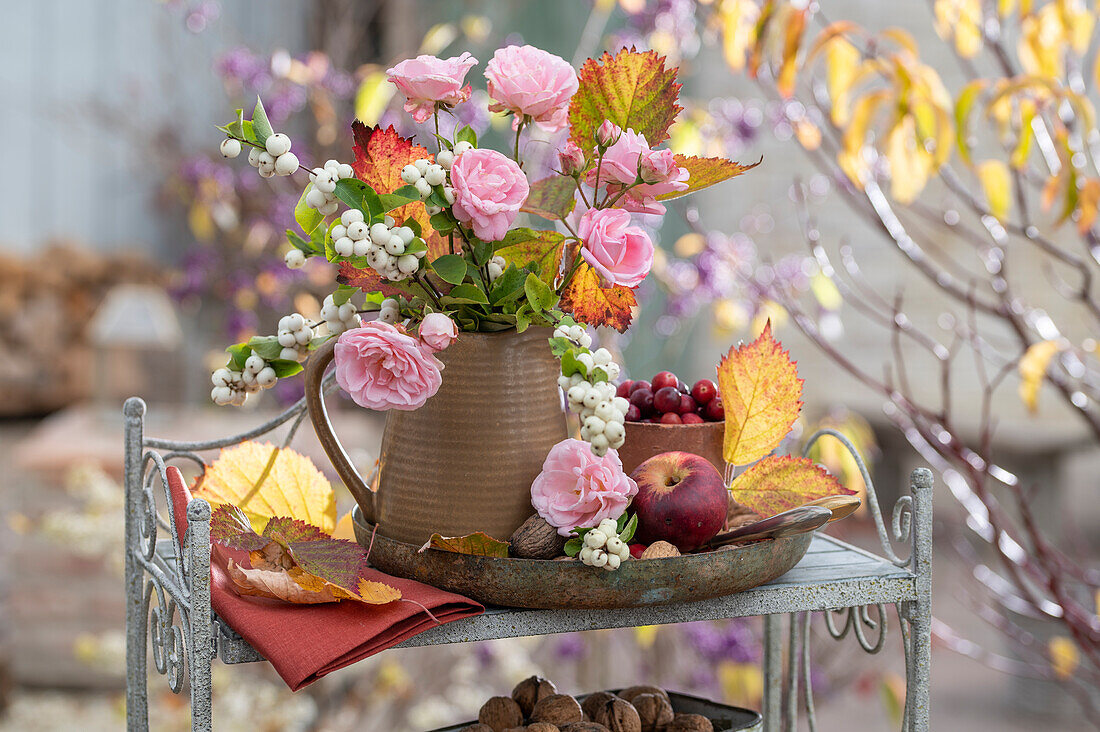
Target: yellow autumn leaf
(762, 395)
(1087, 200)
(742, 683)
(738, 19)
(778, 483)
(841, 64)
(293, 488)
(851, 158)
(1064, 656)
(910, 163)
(372, 97)
(1033, 367)
(960, 20)
(997, 184)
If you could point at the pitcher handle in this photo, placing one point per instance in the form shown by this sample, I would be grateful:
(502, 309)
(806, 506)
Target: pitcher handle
(318, 415)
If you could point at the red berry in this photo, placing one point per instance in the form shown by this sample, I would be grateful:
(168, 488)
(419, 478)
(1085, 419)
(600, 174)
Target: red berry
(633, 414)
(643, 400)
(636, 550)
(682, 387)
(640, 384)
(691, 418)
(714, 411)
(687, 404)
(704, 390)
(666, 399)
(624, 388)
(663, 379)
(671, 418)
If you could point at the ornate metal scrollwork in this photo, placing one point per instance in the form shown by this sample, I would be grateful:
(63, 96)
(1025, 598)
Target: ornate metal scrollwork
(859, 621)
(166, 635)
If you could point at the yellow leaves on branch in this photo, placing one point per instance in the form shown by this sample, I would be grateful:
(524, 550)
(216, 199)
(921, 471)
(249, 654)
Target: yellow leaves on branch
(1064, 656)
(1033, 369)
(780, 483)
(762, 395)
(960, 21)
(293, 486)
(997, 184)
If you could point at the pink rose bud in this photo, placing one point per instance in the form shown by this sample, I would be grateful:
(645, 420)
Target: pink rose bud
(571, 159)
(532, 83)
(427, 81)
(622, 254)
(608, 133)
(657, 166)
(489, 188)
(577, 488)
(382, 367)
(631, 156)
(437, 331)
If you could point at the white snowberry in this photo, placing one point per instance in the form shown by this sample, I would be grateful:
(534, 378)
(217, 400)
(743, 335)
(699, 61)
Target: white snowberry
(266, 172)
(289, 354)
(599, 558)
(462, 146)
(323, 182)
(421, 165)
(586, 554)
(230, 148)
(360, 247)
(344, 170)
(410, 174)
(254, 156)
(286, 338)
(594, 424)
(221, 377)
(445, 158)
(344, 246)
(221, 395)
(267, 160)
(577, 393)
(338, 231)
(614, 544)
(277, 144)
(294, 321)
(395, 246)
(351, 216)
(379, 234)
(423, 188)
(358, 230)
(564, 382)
(449, 194)
(254, 363)
(592, 398)
(614, 431)
(329, 208)
(435, 175)
(266, 378)
(599, 442)
(613, 562)
(408, 264)
(295, 259)
(286, 163)
(316, 198)
(495, 270)
(595, 538)
(601, 356)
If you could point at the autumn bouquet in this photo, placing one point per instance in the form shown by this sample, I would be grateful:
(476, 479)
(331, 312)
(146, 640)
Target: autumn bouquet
(431, 238)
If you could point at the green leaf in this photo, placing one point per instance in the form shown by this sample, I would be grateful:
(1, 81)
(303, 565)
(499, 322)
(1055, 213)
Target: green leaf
(570, 365)
(466, 134)
(343, 294)
(559, 345)
(539, 293)
(632, 89)
(538, 251)
(400, 197)
(597, 375)
(238, 354)
(285, 367)
(442, 223)
(416, 245)
(308, 218)
(483, 251)
(236, 127)
(451, 268)
(266, 346)
(523, 318)
(261, 125)
(573, 547)
(551, 198)
(415, 226)
(298, 242)
(467, 294)
(626, 533)
(357, 194)
(250, 132)
(508, 286)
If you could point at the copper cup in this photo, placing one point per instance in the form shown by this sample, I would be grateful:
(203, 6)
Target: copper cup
(465, 461)
(643, 441)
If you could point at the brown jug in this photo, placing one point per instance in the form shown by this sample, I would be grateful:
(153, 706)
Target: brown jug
(464, 461)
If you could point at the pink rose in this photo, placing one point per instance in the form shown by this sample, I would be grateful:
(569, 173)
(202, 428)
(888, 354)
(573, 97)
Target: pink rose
(621, 253)
(607, 134)
(531, 83)
(426, 81)
(631, 157)
(489, 190)
(382, 367)
(578, 489)
(437, 331)
(571, 159)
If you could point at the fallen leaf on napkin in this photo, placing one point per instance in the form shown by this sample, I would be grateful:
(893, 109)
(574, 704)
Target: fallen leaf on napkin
(295, 561)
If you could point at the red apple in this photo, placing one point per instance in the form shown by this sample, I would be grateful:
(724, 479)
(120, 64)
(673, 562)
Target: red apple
(663, 379)
(666, 399)
(691, 418)
(624, 388)
(636, 550)
(714, 411)
(671, 418)
(704, 390)
(681, 499)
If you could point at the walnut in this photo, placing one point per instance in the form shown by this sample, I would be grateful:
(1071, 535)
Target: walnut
(542, 727)
(690, 723)
(594, 703)
(618, 715)
(632, 691)
(536, 539)
(478, 727)
(500, 713)
(530, 690)
(559, 709)
(521, 728)
(654, 711)
(584, 727)
(660, 550)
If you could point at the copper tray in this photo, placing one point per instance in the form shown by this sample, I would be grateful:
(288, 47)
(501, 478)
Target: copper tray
(550, 584)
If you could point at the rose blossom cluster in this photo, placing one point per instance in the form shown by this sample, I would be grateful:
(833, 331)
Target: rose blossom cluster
(577, 488)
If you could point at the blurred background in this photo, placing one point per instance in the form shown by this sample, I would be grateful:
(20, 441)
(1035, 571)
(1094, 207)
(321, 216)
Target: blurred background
(939, 307)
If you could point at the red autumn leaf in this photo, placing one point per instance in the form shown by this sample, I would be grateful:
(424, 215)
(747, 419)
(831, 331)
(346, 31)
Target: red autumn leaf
(762, 395)
(478, 543)
(780, 483)
(551, 198)
(705, 172)
(632, 89)
(589, 303)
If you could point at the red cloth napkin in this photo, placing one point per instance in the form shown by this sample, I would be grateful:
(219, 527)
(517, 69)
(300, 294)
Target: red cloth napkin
(306, 642)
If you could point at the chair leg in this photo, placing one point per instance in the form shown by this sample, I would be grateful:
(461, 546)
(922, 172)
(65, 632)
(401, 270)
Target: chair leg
(137, 612)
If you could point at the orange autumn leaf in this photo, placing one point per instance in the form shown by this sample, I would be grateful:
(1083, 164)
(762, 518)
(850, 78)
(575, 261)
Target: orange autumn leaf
(780, 483)
(293, 488)
(590, 303)
(762, 395)
(479, 544)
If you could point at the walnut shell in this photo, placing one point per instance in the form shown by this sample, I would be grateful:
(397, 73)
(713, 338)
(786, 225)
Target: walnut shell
(559, 709)
(632, 691)
(521, 728)
(584, 727)
(530, 690)
(660, 550)
(618, 715)
(536, 539)
(501, 713)
(594, 702)
(690, 723)
(477, 727)
(654, 711)
(542, 727)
